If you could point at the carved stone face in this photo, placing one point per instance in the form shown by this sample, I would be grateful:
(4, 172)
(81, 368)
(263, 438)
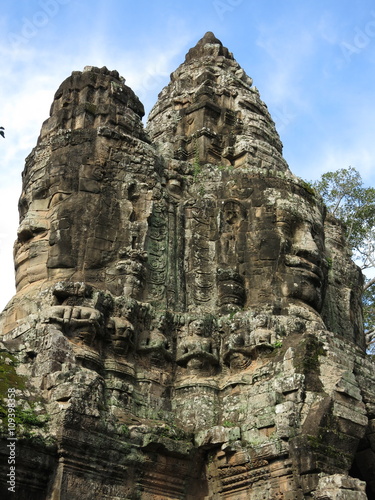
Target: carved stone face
(77, 209)
(79, 233)
(31, 247)
(77, 229)
(303, 266)
(196, 327)
(233, 214)
(276, 246)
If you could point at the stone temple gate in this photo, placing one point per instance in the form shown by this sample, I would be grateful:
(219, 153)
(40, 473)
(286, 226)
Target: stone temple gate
(187, 322)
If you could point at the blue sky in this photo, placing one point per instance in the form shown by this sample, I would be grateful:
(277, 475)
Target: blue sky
(313, 62)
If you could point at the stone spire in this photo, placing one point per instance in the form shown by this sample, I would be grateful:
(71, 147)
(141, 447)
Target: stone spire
(94, 98)
(208, 46)
(210, 112)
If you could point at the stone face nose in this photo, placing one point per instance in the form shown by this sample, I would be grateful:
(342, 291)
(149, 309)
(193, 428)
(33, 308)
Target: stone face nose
(304, 244)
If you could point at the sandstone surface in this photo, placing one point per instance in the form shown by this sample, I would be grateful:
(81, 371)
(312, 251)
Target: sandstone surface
(187, 322)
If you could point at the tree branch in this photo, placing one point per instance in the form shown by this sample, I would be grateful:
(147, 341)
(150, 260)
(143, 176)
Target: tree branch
(338, 203)
(367, 285)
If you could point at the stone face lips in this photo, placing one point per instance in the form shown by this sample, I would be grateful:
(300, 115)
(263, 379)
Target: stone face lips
(187, 317)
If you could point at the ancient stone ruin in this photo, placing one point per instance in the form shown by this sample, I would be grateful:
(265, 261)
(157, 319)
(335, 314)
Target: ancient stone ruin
(187, 322)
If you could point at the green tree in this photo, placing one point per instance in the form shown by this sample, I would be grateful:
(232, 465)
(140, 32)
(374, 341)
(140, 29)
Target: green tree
(346, 198)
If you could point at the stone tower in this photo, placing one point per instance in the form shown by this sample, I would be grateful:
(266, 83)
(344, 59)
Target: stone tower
(187, 322)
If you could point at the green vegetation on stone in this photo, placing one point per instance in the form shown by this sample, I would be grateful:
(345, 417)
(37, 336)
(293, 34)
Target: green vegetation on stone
(25, 418)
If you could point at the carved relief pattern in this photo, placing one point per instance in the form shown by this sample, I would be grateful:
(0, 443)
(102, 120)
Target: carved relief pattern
(200, 277)
(157, 251)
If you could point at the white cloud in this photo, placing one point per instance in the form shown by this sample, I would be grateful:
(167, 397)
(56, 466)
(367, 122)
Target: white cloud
(330, 157)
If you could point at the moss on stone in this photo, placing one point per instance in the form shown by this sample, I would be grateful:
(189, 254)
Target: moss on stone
(91, 108)
(25, 416)
(307, 361)
(9, 378)
(319, 446)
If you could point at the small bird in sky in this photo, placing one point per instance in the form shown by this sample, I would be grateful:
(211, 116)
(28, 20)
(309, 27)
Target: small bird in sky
(2, 132)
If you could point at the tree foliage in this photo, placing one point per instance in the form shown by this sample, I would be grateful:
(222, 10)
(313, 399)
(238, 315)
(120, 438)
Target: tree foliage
(346, 198)
(2, 133)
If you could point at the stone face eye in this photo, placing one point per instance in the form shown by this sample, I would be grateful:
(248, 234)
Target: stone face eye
(58, 198)
(23, 206)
